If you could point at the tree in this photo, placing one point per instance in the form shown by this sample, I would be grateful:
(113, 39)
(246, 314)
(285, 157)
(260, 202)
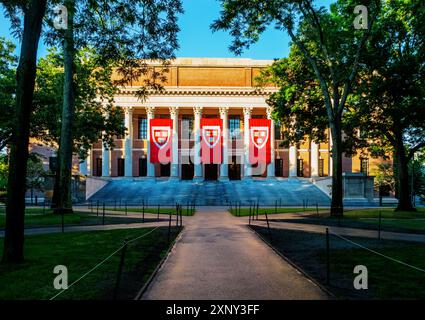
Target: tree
(391, 100)
(33, 12)
(327, 40)
(35, 174)
(123, 31)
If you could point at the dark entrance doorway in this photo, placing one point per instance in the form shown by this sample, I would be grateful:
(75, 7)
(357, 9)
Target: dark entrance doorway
(211, 171)
(120, 167)
(143, 167)
(187, 171)
(98, 167)
(278, 167)
(234, 170)
(165, 170)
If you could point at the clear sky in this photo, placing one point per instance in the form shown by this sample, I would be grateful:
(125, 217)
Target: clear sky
(197, 40)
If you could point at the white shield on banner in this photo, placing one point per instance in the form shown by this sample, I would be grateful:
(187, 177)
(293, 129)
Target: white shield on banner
(259, 136)
(211, 135)
(161, 136)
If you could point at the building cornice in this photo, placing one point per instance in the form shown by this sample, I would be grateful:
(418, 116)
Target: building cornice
(202, 91)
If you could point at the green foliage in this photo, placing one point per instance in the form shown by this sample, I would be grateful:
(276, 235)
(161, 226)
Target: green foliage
(95, 111)
(4, 171)
(384, 177)
(35, 173)
(7, 89)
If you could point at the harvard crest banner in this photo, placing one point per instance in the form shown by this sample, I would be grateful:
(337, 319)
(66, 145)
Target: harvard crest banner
(259, 144)
(161, 131)
(211, 140)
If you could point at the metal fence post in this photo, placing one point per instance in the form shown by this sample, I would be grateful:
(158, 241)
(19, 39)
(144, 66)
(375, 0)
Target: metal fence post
(63, 222)
(268, 226)
(103, 214)
(169, 229)
(317, 209)
(258, 205)
(275, 207)
(143, 211)
(126, 208)
(327, 258)
(120, 267)
(158, 209)
(249, 221)
(97, 208)
(379, 225)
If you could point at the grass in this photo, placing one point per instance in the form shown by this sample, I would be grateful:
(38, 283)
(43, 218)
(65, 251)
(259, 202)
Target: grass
(79, 252)
(387, 279)
(172, 210)
(397, 221)
(37, 217)
(244, 212)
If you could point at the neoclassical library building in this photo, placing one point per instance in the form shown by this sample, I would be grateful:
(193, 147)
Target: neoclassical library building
(211, 122)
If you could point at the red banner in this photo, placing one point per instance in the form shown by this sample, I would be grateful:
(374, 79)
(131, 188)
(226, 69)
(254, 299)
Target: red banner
(161, 131)
(211, 140)
(259, 143)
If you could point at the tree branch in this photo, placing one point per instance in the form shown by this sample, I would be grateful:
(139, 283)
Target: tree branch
(414, 149)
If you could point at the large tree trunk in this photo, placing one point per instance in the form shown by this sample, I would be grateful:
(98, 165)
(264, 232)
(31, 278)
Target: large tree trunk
(62, 197)
(404, 196)
(337, 206)
(25, 81)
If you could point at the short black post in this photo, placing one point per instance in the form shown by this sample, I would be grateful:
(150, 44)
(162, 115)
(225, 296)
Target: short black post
(115, 204)
(275, 207)
(157, 213)
(36, 200)
(258, 205)
(379, 225)
(177, 214)
(44, 206)
(103, 214)
(328, 271)
(249, 221)
(120, 267)
(91, 207)
(187, 208)
(239, 212)
(169, 229)
(230, 207)
(268, 226)
(143, 211)
(126, 208)
(181, 216)
(317, 209)
(97, 208)
(63, 222)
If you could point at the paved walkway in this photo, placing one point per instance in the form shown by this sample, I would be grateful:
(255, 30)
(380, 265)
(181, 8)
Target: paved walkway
(218, 257)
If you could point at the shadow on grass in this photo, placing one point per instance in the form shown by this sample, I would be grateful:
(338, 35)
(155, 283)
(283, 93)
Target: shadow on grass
(387, 279)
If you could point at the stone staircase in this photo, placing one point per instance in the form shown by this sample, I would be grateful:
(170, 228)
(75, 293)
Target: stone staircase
(287, 192)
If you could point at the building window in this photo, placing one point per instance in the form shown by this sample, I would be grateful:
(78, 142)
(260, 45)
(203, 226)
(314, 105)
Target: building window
(120, 167)
(321, 167)
(234, 127)
(278, 131)
(300, 168)
(364, 166)
(187, 127)
(143, 128)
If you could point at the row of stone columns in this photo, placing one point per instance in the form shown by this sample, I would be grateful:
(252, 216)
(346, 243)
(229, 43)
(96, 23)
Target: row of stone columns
(198, 175)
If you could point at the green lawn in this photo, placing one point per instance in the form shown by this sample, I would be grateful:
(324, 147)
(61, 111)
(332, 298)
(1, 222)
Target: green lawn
(387, 279)
(244, 212)
(37, 217)
(152, 210)
(80, 252)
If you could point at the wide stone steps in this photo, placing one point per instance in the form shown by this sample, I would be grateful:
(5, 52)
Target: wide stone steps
(292, 192)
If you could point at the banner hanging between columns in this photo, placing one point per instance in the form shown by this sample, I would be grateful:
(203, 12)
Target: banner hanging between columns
(161, 131)
(211, 140)
(260, 148)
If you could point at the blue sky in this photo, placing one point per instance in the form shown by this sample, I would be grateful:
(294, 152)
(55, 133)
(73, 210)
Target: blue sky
(197, 40)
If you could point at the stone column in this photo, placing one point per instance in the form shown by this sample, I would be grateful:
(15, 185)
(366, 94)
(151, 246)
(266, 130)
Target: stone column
(271, 165)
(89, 163)
(314, 159)
(197, 111)
(106, 158)
(128, 153)
(224, 167)
(292, 161)
(150, 112)
(247, 172)
(330, 154)
(174, 114)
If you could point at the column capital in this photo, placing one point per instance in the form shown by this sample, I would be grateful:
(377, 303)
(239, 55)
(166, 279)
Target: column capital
(223, 111)
(128, 110)
(174, 111)
(150, 111)
(269, 111)
(247, 111)
(197, 111)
